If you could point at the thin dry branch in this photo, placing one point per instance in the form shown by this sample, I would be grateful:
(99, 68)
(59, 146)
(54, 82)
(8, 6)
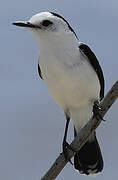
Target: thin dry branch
(83, 135)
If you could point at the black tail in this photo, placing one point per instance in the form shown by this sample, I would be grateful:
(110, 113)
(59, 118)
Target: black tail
(89, 159)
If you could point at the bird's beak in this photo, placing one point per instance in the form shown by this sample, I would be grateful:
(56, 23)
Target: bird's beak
(25, 24)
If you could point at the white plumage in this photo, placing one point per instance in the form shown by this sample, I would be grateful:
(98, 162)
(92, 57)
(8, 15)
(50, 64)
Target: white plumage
(67, 72)
(70, 77)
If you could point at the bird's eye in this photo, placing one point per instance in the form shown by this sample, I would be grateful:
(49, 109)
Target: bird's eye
(46, 23)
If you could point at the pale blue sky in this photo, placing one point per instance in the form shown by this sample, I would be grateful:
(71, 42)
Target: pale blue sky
(31, 124)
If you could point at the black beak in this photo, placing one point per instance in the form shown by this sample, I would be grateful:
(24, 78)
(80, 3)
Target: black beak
(25, 24)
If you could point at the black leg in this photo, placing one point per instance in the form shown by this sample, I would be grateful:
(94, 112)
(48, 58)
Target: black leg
(65, 144)
(66, 128)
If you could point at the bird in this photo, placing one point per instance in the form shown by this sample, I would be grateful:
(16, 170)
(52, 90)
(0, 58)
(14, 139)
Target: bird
(74, 78)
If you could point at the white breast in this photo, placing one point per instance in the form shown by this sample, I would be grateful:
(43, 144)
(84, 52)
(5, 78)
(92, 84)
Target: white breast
(70, 78)
(72, 82)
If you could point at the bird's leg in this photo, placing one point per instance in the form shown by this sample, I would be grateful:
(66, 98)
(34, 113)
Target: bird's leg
(65, 144)
(97, 110)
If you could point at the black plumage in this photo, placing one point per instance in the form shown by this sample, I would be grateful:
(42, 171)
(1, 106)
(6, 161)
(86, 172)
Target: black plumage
(89, 159)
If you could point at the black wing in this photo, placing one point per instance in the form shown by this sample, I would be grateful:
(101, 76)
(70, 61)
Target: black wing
(39, 71)
(95, 64)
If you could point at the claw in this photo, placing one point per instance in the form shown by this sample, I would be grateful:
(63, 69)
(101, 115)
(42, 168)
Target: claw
(65, 152)
(97, 111)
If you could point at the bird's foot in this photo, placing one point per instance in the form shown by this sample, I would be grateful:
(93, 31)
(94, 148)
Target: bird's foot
(67, 146)
(97, 111)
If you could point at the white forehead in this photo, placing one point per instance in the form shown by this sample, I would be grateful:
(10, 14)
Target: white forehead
(59, 23)
(36, 19)
(40, 16)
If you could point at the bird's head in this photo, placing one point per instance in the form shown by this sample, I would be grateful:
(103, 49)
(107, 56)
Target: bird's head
(47, 25)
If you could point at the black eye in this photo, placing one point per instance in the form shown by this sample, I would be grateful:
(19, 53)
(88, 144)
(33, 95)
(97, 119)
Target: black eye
(46, 23)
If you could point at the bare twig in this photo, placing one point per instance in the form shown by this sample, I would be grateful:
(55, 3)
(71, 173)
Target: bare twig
(83, 135)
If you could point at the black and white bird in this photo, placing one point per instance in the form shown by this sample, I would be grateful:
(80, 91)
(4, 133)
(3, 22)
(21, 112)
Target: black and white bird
(74, 78)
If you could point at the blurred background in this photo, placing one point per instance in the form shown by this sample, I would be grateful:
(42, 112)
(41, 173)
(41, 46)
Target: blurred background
(31, 124)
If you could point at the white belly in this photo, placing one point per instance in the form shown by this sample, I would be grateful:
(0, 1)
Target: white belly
(71, 86)
(74, 87)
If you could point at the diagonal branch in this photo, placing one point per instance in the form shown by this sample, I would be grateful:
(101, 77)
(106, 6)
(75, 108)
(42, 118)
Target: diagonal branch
(83, 135)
